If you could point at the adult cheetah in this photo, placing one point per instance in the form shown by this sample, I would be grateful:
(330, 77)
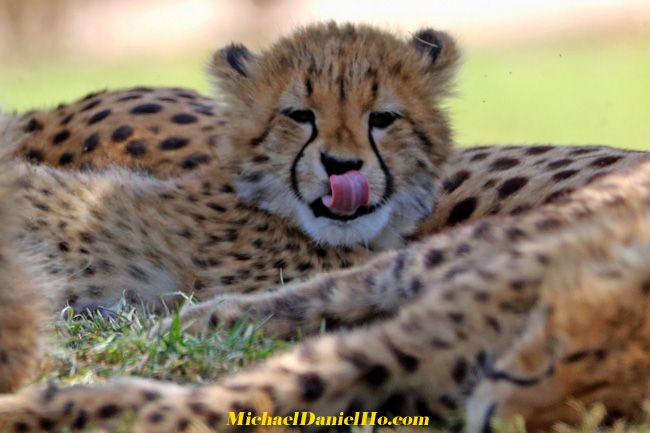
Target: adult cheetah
(543, 308)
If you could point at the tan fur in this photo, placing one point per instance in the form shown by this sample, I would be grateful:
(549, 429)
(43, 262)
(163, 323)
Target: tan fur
(24, 309)
(112, 233)
(123, 137)
(102, 235)
(549, 307)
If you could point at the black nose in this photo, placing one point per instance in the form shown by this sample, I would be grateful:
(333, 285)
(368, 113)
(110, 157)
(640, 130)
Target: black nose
(339, 166)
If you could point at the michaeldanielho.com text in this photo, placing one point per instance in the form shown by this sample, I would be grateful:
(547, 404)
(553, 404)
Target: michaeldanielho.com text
(310, 418)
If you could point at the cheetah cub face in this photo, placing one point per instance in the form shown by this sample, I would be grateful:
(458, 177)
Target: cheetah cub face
(338, 128)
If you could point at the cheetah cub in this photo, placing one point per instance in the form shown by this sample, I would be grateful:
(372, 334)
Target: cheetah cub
(336, 141)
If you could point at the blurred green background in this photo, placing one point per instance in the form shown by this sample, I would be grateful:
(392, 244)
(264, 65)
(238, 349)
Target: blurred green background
(575, 89)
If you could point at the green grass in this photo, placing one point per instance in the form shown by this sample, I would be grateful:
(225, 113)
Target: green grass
(575, 92)
(565, 92)
(95, 348)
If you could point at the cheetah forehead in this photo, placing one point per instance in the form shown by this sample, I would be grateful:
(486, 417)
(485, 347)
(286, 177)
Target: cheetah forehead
(340, 59)
(352, 53)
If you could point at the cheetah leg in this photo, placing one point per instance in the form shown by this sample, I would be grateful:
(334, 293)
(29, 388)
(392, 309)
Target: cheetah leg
(344, 298)
(378, 289)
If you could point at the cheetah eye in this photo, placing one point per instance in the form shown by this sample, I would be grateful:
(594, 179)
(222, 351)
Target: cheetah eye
(382, 119)
(300, 116)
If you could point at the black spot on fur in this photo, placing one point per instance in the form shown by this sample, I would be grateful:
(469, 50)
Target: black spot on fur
(511, 186)
(203, 109)
(129, 98)
(576, 356)
(90, 105)
(408, 362)
(136, 148)
(60, 137)
(311, 385)
(228, 280)
(146, 109)
(66, 119)
(186, 95)
(108, 410)
(252, 177)
(554, 196)
(375, 375)
(433, 258)
(66, 158)
(605, 161)
(645, 287)
(21, 427)
(493, 323)
(122, 133)
(194, 160)
(81, 420)
(459, 371)
(91, 142)
(537, 150)
(398, 267)
(479, 156)
(173, 143)
(33, 125)
(260, 138)
(583, 150)
(99, 116)
(424, 138)
(155, 417)
(448, 401)
(559, 163)
(503, 163)
(452, 183)
(259, 159)
(564, 174)
(548, 224)
(393, 405)
(456, 317)
(184, 118)
(35, 156)
(46, 424)
(462, 211)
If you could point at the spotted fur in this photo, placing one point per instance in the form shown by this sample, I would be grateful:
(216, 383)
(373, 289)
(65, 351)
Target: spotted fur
(231, 227)
(550, 306)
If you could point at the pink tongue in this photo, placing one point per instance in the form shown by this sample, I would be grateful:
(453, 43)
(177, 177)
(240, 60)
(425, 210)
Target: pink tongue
(349, 191)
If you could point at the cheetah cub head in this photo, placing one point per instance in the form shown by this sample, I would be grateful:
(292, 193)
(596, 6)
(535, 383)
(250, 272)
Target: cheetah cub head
(338, 128)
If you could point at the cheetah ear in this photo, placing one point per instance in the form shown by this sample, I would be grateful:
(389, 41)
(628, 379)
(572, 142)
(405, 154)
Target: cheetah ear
(442, 53)
(232, 61)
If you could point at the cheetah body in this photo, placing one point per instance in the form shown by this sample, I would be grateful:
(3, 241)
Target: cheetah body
(223, 224)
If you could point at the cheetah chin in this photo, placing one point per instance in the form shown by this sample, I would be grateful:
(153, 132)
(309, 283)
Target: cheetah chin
(358, 230)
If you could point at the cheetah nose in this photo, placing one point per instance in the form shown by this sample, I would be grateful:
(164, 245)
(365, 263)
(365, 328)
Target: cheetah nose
(337, 166)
